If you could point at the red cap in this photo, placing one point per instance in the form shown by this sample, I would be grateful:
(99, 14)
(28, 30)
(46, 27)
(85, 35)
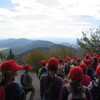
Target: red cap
(10, 65)
(68, 58)
(76, 73)
(98, 70)
(83, 66)
(78, 59)
(43, 62)
(75, 57)
(87, 61)
(53, 62)
(61, 60)
(27, 67)
(87, 56)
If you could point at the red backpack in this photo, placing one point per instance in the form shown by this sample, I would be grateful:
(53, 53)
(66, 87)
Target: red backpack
(2, 93)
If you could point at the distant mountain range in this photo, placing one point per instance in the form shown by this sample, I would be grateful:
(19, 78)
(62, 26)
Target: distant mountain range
(22, 45)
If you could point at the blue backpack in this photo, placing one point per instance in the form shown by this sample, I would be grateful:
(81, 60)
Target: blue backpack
(23, 80)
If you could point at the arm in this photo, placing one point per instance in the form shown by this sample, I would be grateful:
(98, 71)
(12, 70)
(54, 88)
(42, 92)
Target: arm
(64, 93)
(41, 87)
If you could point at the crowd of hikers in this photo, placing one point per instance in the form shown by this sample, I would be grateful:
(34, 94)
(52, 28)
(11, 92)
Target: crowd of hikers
(60, 79)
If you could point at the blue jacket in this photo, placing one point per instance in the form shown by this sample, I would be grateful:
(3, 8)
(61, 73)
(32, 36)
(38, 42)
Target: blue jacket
(14, 92)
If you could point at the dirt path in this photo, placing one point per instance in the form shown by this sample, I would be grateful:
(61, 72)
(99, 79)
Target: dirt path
(35, 84)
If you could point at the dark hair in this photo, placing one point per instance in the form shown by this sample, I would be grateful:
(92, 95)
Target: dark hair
(75, 84)
(52, 68)
(50, 86)
(6, 77)
(95, 59)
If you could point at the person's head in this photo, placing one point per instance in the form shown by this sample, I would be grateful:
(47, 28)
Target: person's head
(27, 67)
(95, 59)
(43, 63)
(78, 61)
(87, 62)
(84, 67)
(52, 66)
(10, 70)
(61, 60)
(76, 74)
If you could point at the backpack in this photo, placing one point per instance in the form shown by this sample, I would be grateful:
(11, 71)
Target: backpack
(2, 93)
(95, 91)
(76, 96)
(23, 80)
(44, 71)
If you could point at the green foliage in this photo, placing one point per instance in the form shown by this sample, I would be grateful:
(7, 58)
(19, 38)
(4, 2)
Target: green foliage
(92, 43)
(1, 49)
(10, 55)
(35, 56)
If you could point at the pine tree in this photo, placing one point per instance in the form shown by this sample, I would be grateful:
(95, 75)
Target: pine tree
(10, 55)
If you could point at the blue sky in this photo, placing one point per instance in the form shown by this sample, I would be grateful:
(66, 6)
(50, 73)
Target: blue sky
(47, 18)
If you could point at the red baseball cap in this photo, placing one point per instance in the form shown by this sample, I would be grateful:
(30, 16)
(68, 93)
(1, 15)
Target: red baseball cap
(98, 70)
(43, 62)
(61, 60)
(10, 65)
(76, 73)
(27, 67)
(83, 66)
(53, 62)
(78, 59)
(87, 61)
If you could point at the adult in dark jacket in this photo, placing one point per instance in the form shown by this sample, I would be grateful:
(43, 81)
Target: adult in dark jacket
(50, 84)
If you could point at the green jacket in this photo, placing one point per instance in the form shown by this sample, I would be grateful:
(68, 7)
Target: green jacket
(29, 81)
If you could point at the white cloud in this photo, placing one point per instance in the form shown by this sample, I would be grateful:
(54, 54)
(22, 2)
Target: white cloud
(55, 18)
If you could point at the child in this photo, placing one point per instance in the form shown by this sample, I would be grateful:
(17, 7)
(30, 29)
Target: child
(28, 87)
(74, 90)
(50, 84)
(13, 90)
(86, 79)
(43, 69)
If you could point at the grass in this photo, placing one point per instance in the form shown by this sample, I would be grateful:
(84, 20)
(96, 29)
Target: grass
(1, 49)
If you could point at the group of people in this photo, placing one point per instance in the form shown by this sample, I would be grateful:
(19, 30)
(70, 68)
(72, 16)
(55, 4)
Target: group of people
(60, 79)
(71, 78)
(9, 88)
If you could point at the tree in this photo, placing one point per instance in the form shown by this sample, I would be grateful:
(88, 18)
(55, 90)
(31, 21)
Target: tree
(34, 57)
(90, 42)
(10, 55)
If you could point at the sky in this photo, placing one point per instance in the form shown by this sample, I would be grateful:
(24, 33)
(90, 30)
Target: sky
(47, 18)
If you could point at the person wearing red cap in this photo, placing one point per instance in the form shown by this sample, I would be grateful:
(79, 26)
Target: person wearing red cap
(86, 79)
(94, 86)
(43, 69)
(67, 65)
(13, 90)
(27, 86)
(74, 90)
(89, 68)
(50, 84)
(61, 68)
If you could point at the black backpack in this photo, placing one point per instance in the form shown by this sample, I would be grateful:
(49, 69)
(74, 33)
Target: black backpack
(23, 80)
(95, 91)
